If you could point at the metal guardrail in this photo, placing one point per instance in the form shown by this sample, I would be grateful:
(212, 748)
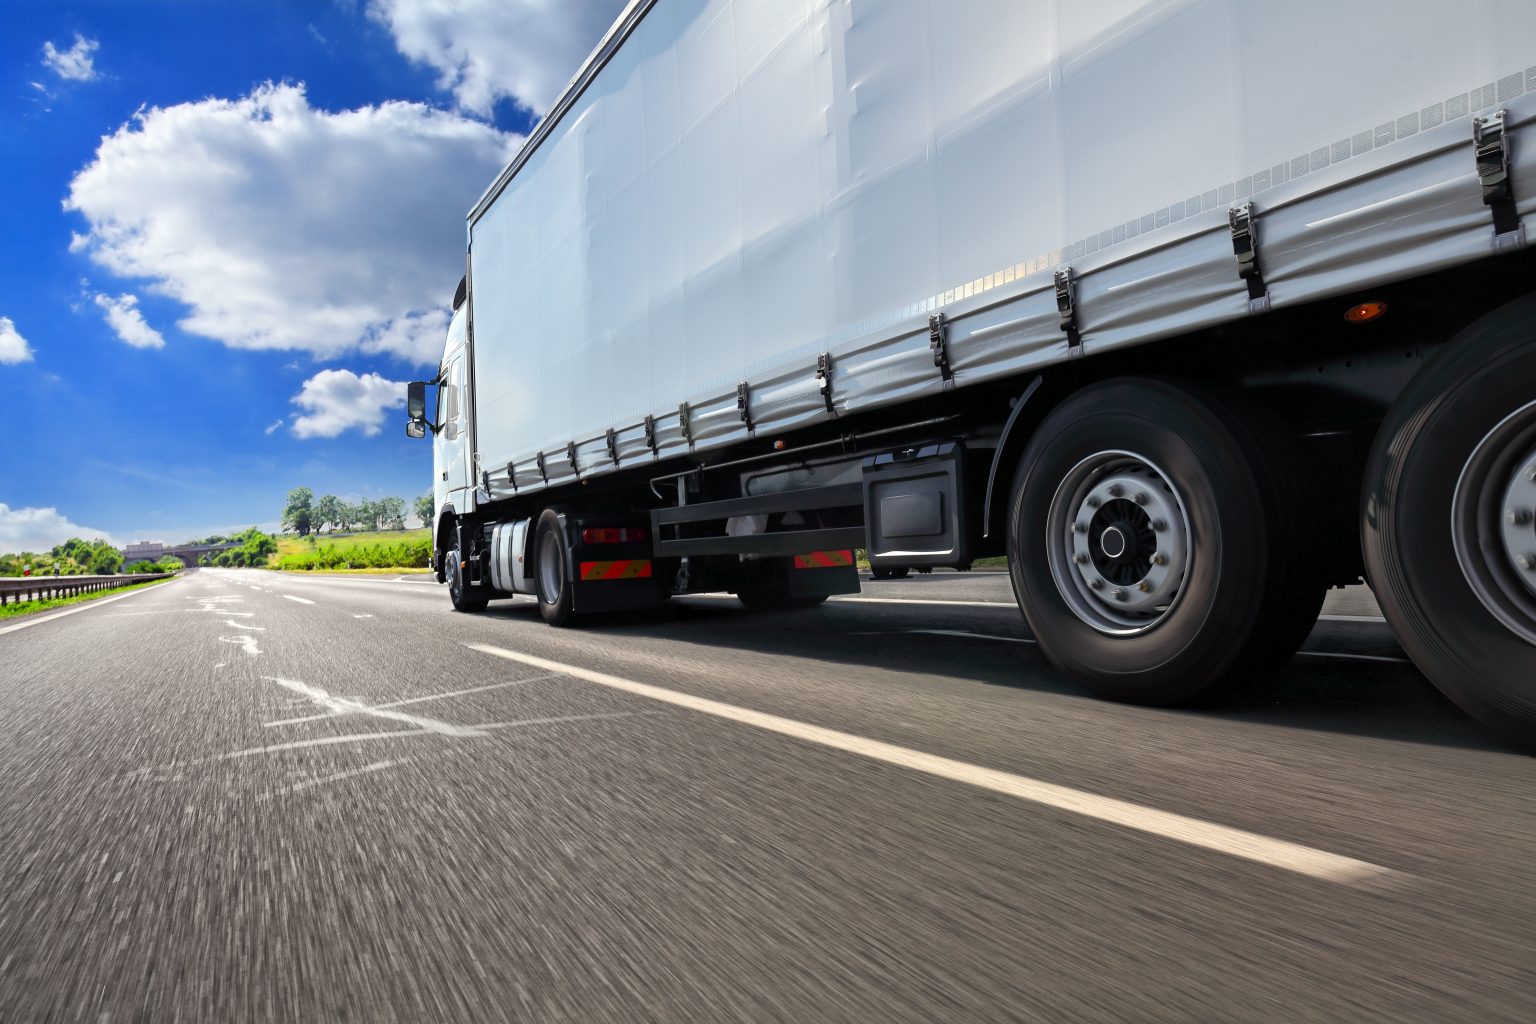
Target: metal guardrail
(15, 589)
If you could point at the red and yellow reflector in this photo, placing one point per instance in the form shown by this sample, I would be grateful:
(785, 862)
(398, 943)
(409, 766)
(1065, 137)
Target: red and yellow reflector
(623, 569)
(824, 559)
(1365, 312)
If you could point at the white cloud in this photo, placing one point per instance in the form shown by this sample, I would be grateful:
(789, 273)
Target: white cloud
(78, 63)
(124, 317)
(485, 50)
(282, 226)
(277, 423)
(38, 529)
(13, 347)
(338, 400)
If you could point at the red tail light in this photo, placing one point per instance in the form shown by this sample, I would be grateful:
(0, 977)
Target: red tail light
(614, 535)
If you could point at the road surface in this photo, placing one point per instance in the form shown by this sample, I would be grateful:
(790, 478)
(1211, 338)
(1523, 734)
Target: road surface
(245, 796)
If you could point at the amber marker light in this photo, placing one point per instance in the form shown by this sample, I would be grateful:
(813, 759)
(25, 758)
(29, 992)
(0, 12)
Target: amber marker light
(1365, 312)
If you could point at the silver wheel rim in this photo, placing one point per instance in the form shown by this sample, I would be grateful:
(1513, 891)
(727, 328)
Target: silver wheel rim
(1118, 541)
(1493, 522)
(551, 569)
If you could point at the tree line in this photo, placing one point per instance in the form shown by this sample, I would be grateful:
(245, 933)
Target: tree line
(305, 514)
(74, 557)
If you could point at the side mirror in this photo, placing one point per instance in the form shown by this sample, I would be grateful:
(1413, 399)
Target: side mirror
(416, 401)
(415, 428)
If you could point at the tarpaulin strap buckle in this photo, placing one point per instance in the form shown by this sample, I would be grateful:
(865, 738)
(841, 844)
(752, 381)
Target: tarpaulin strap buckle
(1490, 145)
(1066, 309)
(1245, 247)
(938, 344)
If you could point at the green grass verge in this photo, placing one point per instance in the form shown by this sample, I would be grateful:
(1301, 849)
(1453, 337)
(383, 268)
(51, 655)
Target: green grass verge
(393, 571)
(20, 608)
(394, 550)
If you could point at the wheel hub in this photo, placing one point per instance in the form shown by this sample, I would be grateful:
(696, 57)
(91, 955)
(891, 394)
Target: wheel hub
(1119, 542)
(1518, 531)
(1493, 522)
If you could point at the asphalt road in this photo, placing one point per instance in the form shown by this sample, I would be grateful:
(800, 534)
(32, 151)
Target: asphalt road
(243, 796)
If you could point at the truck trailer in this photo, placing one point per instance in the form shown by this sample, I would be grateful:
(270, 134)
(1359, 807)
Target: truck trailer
(1191, 308)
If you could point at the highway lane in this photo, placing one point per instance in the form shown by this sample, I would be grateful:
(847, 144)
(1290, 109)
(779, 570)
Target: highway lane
(249, 796)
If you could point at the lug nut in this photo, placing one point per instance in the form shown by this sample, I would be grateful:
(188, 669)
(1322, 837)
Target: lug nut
(1141, 498)
(1096, 584)
(1517, 516)
(1144, 587)
(1118, 594)
(1079, 527)
(1158, 558)
(1116, 490)
(1080, 558)
(1094, 502)
(1526, 562)
(1159, 525)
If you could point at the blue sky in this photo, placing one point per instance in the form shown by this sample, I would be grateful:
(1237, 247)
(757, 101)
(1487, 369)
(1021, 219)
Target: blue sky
(228, 235)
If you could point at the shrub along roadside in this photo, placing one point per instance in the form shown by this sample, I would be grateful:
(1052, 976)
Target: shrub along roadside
(403, 554)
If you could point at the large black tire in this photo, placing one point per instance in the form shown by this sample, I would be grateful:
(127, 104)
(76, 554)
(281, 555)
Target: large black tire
(1242, 594)
(551, 571)
(465, 597)
(1468, 416)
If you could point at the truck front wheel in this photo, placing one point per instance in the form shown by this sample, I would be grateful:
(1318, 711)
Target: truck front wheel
(465, 597)
(1448, 520)
(1155, 541)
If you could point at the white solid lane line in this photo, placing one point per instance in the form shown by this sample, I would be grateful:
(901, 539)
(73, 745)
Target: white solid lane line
(1350, 618)
(1008, 605)
(1234, 842)
(301, 600)
(949, 632)
(1353, 657)
(84, 606)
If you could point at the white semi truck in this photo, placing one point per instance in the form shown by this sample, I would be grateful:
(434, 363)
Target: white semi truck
(1192, 308)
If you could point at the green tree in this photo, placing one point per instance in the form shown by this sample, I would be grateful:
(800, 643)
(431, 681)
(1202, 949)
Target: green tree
(390, 513)
(366, 514)
(425, 508)
(327, 512)
(105, 560)
(298, 514)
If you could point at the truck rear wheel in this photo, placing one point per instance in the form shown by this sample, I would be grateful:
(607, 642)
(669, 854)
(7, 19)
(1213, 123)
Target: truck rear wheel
(1447, 520)
(1155, 541)
(552, 578)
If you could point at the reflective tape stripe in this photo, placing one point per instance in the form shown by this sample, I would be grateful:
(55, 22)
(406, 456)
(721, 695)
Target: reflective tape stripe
(625, 569)
(824, 559)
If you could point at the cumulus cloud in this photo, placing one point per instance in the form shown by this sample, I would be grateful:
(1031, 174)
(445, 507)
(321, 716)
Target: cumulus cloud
(13, 347)
(281, 226)
(124, 317)
(77, 64)
(336, 400)
(38, 529)
(486, 50)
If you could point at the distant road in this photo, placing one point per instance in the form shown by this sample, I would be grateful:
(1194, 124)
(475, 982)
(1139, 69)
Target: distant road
(251, 796)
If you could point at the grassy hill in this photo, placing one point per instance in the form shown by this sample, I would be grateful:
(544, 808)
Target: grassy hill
(389, 550)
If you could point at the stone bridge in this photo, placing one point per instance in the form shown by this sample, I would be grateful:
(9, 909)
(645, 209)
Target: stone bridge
(153, 551)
